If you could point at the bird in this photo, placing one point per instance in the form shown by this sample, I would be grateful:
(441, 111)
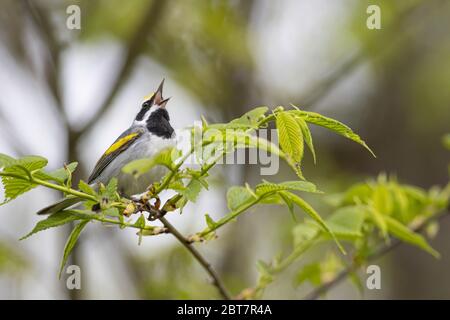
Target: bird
(149, 133)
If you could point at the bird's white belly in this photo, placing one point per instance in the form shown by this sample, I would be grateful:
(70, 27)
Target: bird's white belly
(145, 147)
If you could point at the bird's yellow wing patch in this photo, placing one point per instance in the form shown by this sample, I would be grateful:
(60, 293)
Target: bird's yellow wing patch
(119, 143)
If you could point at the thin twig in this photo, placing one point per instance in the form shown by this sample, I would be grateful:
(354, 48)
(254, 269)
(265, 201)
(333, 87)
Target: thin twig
(217, 282)
(381, 251)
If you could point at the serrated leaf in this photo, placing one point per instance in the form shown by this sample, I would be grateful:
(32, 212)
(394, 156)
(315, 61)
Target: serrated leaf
(237, 197)
(192, 190)
(307, 136)
(302, 204)
(267, 187)
(14, 187)
(6, 161)
(84, 187)
(70, 244)
(22, 168)
(290, 136)
(235, 139)
(333, 125)
(31, 163)
(251, 118)
(404, 234)
(111, 188)
(248, 120)
(54, 220)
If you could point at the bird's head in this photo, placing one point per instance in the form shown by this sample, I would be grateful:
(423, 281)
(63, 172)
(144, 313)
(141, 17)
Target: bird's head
(154, 116)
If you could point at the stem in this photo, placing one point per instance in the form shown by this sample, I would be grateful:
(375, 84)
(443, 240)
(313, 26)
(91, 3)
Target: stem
(64, 189)
(232, 215)
(124, 224)
(381, 251)
(50, 185)
(217, 282)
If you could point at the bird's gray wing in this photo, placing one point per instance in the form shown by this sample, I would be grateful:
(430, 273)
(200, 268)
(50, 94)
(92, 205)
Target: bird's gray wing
(124, 141)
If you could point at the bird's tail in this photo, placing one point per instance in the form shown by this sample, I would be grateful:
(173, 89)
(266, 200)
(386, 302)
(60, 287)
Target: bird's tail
(60, 205)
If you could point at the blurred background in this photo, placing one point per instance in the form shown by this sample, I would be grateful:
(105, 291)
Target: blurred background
(67, 94)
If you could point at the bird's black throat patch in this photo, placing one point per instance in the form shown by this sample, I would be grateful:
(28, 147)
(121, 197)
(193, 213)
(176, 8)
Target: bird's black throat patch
(158, 123)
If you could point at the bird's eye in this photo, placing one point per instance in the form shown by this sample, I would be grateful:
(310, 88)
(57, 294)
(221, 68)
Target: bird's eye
(146, 104)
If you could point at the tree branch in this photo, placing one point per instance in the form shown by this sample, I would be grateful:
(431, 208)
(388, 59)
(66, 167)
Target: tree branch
(217, 282)
(381, 251)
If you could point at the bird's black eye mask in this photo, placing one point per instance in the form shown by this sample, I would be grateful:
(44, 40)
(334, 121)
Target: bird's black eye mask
(145, 107)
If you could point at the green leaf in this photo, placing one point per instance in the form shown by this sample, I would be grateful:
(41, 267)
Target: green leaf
(333, 125)
(311, 272)
(289, 204)
(54, 220)
(235, 139)
(192, 190)
(19, 171)
(84, 187)
(70, 244)
(315, 216)
(140, 222)
(112, 212)
(290, 136)
(210, 222)
(307, 136)
(30, 163)
(403, 233)
(304, 232)
(59, 175)
(347, 222)
(267, 187)
(382, 199)
(165, 157)
(6, 161)
(379, 220)
(14, 187)
(111, 188)
(358, 192)
(248, 120)
(237, 197)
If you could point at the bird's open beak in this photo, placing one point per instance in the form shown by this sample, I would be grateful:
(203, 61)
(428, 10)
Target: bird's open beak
(164, 102)
(158, 95)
